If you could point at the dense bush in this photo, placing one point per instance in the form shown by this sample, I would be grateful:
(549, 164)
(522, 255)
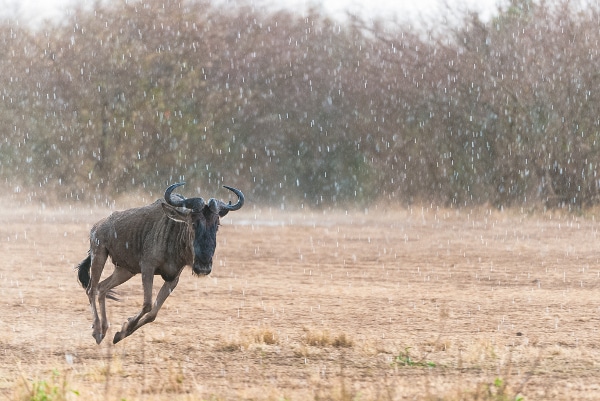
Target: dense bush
(304, 109)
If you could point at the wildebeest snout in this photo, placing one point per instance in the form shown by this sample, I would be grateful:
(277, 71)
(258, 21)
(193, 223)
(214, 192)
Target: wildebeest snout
(202, 268)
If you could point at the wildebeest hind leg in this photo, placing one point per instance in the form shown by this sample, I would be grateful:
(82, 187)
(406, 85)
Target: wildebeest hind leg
(131, 326)
(99, 256)
(118, 277)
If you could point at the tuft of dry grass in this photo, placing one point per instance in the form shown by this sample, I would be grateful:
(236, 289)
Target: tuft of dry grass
(323, 338)
(265, 336)
(246, 339)
(342, 341)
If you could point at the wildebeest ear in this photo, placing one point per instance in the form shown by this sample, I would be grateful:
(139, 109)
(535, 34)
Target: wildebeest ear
(223, 212)
(177, 214)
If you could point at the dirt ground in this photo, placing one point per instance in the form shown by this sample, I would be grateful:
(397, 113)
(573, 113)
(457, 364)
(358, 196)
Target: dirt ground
(421, 303)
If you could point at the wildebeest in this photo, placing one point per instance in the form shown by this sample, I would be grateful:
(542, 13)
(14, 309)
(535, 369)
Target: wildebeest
(158, 239)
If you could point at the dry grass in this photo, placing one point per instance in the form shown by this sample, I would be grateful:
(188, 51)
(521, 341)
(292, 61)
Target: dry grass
(247, 340)
(266, 336)
(53, 388)
(323, 338)
(423, 304)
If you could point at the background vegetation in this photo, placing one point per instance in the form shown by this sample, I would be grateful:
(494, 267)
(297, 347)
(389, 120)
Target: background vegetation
(302, 109)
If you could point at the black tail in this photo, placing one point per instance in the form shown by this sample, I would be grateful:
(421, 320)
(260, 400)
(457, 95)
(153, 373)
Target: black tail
(83, 275)
(83, 271)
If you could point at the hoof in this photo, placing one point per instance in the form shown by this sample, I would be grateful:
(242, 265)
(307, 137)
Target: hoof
(118, 337)
(99, 337)
(123, 333)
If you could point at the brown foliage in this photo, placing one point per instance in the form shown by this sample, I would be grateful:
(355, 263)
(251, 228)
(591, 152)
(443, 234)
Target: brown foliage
(305, 109)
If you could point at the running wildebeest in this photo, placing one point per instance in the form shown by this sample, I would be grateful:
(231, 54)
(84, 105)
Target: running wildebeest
(161, 238)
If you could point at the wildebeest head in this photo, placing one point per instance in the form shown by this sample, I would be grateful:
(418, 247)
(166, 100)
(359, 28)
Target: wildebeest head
(203, 220)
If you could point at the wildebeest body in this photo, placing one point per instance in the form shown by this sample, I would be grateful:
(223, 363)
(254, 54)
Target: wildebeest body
(158, 239)
(145, 235)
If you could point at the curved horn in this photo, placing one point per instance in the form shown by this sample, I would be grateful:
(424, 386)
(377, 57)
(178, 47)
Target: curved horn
(238, 205)
(195, 204)
(174, 202)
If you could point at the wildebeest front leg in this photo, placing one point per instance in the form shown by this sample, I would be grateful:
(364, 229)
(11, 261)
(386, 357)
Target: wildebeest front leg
(131, 325)
(127, 328)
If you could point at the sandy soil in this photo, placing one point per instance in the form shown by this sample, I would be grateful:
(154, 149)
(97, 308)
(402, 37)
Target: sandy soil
(410, 304)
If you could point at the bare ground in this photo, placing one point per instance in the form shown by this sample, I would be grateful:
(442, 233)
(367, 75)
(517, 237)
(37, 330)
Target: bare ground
(391, 305)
